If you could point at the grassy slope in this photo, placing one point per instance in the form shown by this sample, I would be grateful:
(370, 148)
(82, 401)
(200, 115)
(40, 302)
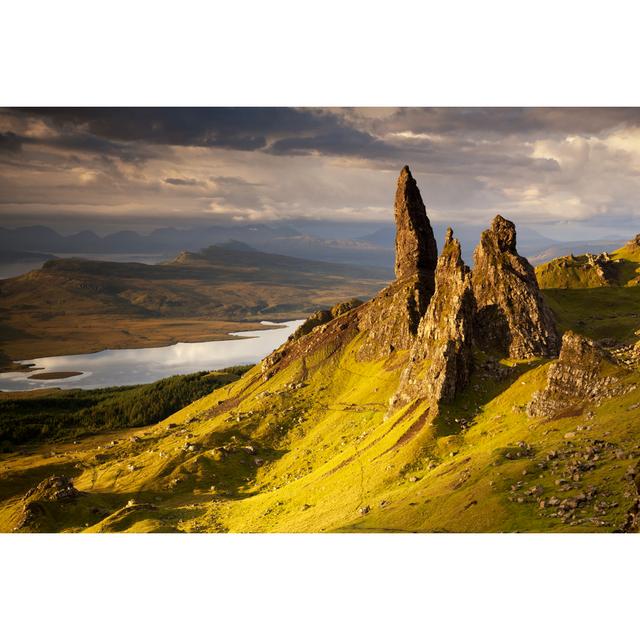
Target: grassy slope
(331, 462)
(574, 272)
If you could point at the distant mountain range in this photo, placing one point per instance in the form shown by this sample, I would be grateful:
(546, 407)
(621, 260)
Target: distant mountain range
(371, 249)
(281, 239)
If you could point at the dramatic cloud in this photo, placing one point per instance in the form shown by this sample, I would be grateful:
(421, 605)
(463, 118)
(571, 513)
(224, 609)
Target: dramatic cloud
(10, 142)
(182, 182)
(571, 168)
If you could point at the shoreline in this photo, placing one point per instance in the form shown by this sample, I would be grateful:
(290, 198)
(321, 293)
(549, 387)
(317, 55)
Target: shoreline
(163, 333)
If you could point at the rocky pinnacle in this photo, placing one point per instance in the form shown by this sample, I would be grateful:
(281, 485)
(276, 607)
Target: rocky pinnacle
(441, 359)
(512, 317)
(416, 248)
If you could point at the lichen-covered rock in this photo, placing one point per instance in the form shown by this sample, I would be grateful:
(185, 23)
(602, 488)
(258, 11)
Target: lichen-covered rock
(416, 249)
(512, 317)
(441, 359)
(583, 373)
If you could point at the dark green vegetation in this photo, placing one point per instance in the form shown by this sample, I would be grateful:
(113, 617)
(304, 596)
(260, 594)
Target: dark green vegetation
(53, 414)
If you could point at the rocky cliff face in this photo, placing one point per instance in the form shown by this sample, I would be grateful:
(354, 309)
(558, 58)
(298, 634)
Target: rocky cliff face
(583, 373)
(391, 319)
(323, 316)
(512, 317)
(436, 309)
(416, 249)
(441, 359)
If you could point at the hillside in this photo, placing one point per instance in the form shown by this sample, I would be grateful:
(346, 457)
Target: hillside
(74, 305)
(620, 268)
(451, 401)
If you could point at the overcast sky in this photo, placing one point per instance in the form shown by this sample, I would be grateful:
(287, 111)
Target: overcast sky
(570, 173)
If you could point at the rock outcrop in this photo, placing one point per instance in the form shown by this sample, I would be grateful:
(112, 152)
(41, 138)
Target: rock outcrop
(583, 373)
(39, 500)
(634, 243)
(579, 272)
(512, 317)
(391, 319)
(323, 316)
(389, 322)
(416, 249)
(441, 359)
(317, 329)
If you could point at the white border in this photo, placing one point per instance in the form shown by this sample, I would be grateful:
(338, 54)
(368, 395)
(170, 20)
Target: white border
(490, 53)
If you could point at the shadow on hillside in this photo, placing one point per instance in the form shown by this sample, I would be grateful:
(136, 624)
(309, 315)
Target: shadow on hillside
(223, 465)
(487, 383)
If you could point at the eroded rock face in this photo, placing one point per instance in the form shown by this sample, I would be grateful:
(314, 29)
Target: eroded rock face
(580, 375)
(319, 328)
(416, 249)
(441, 359)
(390, 320)
(512, 317)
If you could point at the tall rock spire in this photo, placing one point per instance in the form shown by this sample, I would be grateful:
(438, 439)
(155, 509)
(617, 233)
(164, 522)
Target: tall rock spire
(391, 319)
(512, 317)
(416, 248)
(441, 359)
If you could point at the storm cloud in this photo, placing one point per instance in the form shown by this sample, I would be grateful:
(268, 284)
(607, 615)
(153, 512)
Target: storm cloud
(544, 166)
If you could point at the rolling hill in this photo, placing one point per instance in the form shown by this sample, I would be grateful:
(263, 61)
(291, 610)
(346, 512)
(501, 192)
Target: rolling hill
(619, 268)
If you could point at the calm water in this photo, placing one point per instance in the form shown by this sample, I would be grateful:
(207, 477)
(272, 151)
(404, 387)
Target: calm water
(115, 367)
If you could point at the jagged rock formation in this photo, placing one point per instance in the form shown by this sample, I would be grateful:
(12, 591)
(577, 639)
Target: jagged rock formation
(583, 373)
(512, 317)
(389, 321)
(442, 358)
(416, 249)
(434, 314)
